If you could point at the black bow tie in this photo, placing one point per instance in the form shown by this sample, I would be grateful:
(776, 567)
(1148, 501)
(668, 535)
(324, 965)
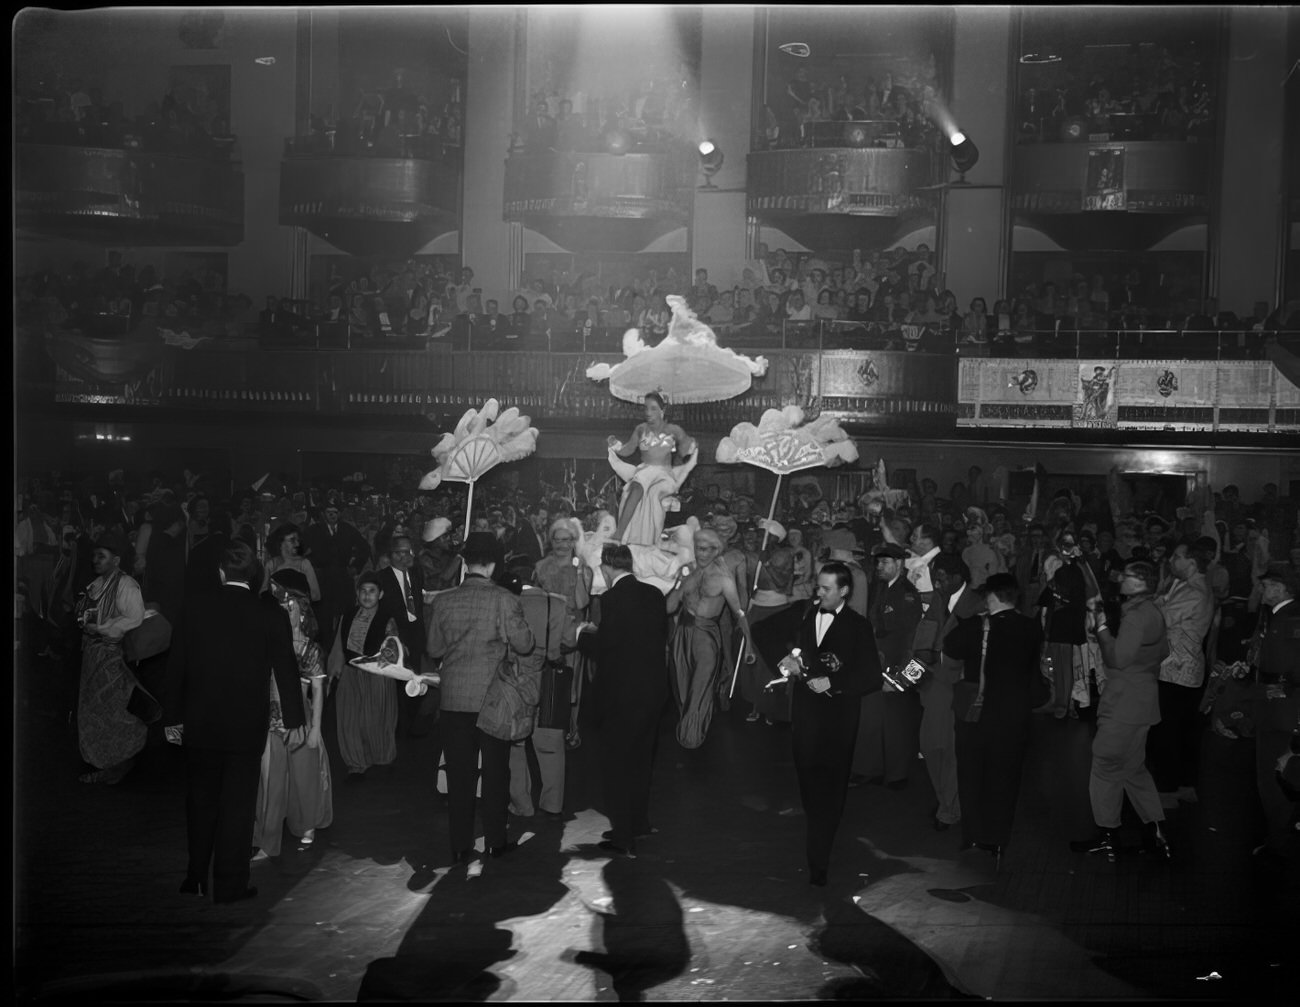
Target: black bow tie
(825, 611)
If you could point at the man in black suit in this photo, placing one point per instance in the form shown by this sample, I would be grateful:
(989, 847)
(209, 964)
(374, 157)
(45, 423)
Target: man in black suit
(223, 653)
(631, 690)
(529, 541)
(402, 583)
(837, 666)
(336, 549)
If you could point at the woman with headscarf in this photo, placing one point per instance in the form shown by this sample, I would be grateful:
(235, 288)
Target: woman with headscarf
(295, 782)
(109, 735)
(366, 705)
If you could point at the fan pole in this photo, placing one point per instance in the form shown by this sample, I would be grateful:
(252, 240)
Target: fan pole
(469, 507)
(771, 516)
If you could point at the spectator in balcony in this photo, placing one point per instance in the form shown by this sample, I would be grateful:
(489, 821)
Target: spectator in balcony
(1098, 298)
(825, 309)
(745, 311)
(495, 328)
(975, 326)
(540, 133)
(655, 318)
(795, 309)
(723, 311)
(570, 131)
(520, 321)
(359, 317)
(860, 308)
(702, 287)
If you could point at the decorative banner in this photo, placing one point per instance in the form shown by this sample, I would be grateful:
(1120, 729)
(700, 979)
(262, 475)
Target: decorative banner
(1095, 400)
(1104, 187)
(1193, 396)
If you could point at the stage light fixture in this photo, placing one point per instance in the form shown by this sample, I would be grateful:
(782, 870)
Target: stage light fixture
(965, 155)
(711, 158)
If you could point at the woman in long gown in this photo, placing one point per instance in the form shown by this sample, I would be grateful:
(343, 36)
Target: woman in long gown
(295, 784)
(109, 735)
(641, 513)
(366, 705)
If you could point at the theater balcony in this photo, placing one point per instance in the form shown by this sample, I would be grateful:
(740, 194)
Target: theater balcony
(129, 196)
(602, 199)
(1193, 387)
(845, 176)
(364, 204)
(1153, 177)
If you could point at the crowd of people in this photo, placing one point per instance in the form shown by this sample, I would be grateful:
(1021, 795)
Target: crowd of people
(393, 121)
(879, 299)
(1138, 92)
(187, 120)
(1155, 621)
(120, 297)
(904, 97)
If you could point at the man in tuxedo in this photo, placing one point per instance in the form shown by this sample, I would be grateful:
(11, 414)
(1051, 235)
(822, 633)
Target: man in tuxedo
(838, 665)
(954, 601)
(1277, 712)
(631, 689)
(887, 743)
(336, 548)
(529, 541)
(224, 650)
(402, 583)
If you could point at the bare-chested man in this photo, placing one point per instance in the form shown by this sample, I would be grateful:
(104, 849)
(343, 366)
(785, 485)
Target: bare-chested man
(696, 642)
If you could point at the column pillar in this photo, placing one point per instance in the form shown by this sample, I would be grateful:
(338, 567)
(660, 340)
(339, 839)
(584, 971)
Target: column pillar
(489, 120)
(974, 241)
(719, 235)
(1251, 212)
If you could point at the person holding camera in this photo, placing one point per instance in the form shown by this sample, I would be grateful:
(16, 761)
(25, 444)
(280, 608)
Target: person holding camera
(836, 665)
(1129, 706)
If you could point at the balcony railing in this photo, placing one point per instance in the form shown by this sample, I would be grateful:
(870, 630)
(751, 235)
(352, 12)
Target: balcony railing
(856, 181)
(129, 196)
(642, 185)
(1148, 177)
(866, 375)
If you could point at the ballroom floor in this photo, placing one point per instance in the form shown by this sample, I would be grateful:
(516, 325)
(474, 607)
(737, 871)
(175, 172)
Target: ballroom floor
(716, 906)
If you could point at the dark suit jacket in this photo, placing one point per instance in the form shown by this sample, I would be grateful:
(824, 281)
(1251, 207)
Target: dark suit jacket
(225, 647)
(526, 542)
(413, 635)
(332, 554)
(948, 670)
(1015, 641)
(824, 725)
(631, 649)
(895, 612)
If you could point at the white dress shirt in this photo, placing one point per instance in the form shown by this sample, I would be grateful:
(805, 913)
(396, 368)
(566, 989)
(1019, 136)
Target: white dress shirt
(824, 620)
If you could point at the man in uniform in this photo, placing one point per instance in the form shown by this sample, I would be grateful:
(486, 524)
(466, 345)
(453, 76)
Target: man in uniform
(1277, 711)
(887, 741)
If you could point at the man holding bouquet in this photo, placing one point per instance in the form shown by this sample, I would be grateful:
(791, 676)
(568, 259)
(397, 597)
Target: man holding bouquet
(834, 666)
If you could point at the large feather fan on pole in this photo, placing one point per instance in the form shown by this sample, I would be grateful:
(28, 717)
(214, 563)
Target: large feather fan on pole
(483, 439)
(784, 444)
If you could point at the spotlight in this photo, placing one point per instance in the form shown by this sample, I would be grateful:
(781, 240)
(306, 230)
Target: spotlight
(711, 159)
(964, 154)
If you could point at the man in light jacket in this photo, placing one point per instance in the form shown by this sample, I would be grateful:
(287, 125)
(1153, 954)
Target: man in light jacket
(1129, 706)
(1187, 608)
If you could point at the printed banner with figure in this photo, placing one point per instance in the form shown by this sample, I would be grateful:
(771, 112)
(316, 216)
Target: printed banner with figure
(1104, 187)
(1094, 403)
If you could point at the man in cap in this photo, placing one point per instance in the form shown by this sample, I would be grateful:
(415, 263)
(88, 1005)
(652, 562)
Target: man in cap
(1129, 705)
(887, 742)
(473, 630)
(1277, 713)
